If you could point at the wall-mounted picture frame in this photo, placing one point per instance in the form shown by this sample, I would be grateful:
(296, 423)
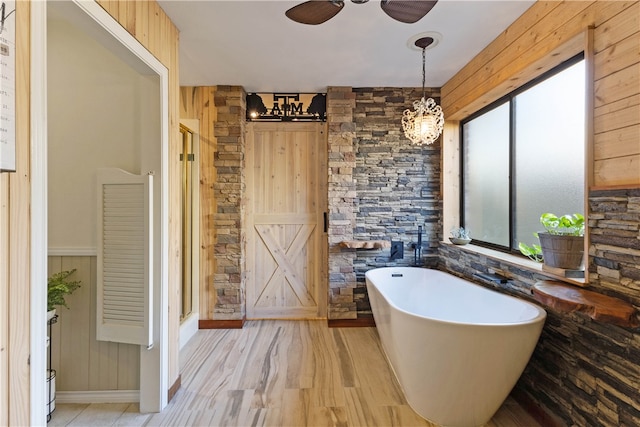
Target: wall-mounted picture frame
(8, 86)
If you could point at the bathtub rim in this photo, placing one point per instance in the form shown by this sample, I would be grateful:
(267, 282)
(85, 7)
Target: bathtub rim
(540, 317)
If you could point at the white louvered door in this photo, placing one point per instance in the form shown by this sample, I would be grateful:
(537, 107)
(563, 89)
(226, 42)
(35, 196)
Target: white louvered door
(125, 256)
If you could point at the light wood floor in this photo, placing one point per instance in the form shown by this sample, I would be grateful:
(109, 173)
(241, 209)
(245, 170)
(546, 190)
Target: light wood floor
(279, 373)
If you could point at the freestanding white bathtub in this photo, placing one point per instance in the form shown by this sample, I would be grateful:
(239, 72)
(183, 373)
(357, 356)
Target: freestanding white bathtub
(457, 348)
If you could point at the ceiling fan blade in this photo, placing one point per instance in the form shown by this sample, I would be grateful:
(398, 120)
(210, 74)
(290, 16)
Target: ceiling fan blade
(314, 12)
(409, 11)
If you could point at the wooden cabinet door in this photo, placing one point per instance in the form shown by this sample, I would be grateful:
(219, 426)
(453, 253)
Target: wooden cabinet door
(286, 177)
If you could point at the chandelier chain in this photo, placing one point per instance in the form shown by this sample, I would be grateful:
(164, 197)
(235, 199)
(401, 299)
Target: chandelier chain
(424, 74)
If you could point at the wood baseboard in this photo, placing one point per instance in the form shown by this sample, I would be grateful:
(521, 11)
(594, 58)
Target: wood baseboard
(174, 388)
(221, 324)
(534, 409)
(362, 322)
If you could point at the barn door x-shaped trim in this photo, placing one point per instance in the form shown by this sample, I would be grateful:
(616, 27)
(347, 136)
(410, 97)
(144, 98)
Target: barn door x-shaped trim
(284, 257)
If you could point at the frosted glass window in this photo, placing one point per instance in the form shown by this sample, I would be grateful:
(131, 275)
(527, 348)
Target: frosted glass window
(524, 156)
(486, 176)
(549, 150)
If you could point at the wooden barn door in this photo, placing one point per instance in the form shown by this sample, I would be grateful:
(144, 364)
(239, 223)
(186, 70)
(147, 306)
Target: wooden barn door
(286, 202)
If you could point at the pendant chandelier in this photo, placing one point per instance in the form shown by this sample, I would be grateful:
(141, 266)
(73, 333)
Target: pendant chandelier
(424, 124)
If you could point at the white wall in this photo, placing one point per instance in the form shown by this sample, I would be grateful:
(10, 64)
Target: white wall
(99, 116)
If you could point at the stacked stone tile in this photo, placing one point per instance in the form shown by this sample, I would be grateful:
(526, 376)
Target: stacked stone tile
(228, 280)
(381, 187)
(342, 194)
(614, 226)
(397, 184)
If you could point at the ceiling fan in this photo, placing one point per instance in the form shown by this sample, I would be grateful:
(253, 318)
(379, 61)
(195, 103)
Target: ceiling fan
(316, 12)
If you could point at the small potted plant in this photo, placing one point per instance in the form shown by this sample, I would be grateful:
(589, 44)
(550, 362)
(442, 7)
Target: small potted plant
(460, 236)
(58, 287)
(561, 244)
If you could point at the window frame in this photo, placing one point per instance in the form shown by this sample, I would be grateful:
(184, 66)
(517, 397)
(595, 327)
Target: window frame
(509, 98)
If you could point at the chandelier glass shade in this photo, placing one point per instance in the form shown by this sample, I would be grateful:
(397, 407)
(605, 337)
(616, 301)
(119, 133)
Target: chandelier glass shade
(424, 124)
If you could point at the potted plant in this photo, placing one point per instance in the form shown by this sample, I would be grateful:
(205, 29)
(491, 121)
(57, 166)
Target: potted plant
(58, 287)
(460, 236)
(561, 244)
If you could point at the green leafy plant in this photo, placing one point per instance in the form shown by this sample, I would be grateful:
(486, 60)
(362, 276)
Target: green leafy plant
(58, 287)
(565, 225)
(460, 233)
(533, 252)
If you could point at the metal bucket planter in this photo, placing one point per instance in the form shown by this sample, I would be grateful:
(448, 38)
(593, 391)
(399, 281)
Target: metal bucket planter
(562, 251)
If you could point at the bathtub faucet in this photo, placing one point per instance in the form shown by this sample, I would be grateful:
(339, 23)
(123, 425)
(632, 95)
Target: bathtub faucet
(417, 249)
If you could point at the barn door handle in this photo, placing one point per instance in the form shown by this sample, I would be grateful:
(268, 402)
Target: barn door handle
(326, 222)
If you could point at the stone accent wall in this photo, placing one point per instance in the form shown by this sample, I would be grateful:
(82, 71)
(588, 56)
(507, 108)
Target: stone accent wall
(229, 277)
(583, 372)
(398, 183)
(342, 194)
(381, 187)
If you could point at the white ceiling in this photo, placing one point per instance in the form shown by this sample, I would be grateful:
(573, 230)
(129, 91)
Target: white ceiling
(253, 44)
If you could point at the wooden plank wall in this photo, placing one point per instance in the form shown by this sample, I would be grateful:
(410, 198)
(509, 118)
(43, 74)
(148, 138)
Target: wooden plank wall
(82, 363)
(199, 103)
(542, 37)
(14, 247)
(147, 22)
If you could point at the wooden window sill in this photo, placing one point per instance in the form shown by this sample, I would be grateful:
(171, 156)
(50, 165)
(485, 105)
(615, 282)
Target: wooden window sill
(599, 307)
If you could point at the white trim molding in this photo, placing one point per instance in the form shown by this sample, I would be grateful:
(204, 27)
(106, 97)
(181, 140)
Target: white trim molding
(39, 219)
(98, 396)
(73, 251)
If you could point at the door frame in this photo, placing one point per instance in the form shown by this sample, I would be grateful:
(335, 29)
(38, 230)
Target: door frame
(189, 326)
(153, 362)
